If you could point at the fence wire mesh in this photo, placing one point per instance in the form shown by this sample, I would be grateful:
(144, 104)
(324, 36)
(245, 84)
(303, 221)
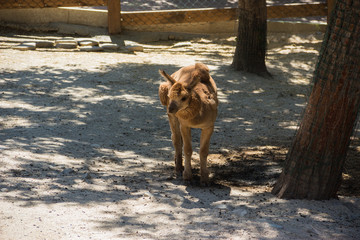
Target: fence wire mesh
(159, 15)
(156, 5)
(49, 3)
(166, 15)
(155, 15)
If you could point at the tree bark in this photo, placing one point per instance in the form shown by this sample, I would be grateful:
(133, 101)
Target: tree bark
(314, 164)
(251, 39)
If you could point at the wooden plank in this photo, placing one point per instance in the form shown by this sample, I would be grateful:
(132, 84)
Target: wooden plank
(74, 3)
(49, 3)
(178, 16)
(214, 15)
(114, 17)
(297, 10)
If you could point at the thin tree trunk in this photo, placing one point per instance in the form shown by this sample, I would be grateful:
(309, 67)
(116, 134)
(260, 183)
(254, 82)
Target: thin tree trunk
(251, 39)
(313, 167)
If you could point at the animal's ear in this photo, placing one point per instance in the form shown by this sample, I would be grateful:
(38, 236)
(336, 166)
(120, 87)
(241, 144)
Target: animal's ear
(196, 78)
(167, 77)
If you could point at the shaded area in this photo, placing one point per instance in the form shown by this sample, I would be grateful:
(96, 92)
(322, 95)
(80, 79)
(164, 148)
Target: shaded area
(96, 118)
(250, 167)
(81, 119)
(260, 167)
(94, 135)
(351, 173)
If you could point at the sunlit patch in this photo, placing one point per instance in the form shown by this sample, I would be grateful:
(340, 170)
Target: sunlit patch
(291, 125)
(230, 120)
(222, 97)
(302, 105)
(18, 104)
(15, 121)
(78, 93)
(260, 90)
(137, 98)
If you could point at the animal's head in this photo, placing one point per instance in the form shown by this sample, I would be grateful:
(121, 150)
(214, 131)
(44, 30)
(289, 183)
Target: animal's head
(179, 94)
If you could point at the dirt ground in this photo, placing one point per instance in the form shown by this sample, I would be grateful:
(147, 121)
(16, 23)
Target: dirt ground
(86, 150)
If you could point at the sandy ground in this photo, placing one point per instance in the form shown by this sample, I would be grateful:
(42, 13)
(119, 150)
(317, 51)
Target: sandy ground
(86, 150)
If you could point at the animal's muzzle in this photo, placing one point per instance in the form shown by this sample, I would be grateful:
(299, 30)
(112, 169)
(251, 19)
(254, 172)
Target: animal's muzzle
(173, 108)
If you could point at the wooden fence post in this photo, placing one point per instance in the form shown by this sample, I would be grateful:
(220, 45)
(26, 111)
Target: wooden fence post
(330, 7)
(114, 16)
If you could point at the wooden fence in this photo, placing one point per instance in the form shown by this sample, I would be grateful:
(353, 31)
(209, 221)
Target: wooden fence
(117, 19)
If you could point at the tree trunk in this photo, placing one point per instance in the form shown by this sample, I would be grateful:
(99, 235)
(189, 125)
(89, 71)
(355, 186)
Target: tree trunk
(314, 164)
(251, 39)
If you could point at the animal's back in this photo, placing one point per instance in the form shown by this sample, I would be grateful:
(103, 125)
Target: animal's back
(186, 75)
(209, 102)
(206, 94)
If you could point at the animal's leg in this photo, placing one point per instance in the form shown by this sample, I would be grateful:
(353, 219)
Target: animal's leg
(204, 151)
(186, 135)
(177, 142)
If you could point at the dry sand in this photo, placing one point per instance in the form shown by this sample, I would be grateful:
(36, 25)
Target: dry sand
(86, 150)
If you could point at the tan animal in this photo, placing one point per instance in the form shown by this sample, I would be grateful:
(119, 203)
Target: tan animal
(190, 95)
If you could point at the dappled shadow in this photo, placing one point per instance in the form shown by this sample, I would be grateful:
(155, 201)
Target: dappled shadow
(73, 109)
(63, 123)
(245, 214)
(112, 114)
(98, 135)
(74, 129)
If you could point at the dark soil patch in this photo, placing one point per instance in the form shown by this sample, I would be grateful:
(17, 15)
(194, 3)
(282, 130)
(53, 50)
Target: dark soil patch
(260, 167)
